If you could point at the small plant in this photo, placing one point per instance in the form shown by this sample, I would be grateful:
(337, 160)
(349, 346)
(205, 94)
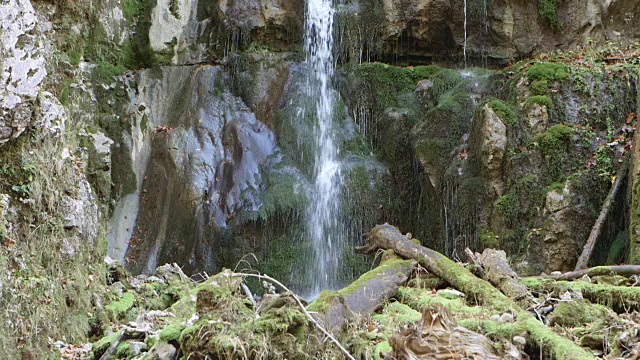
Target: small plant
(504, 112)
(488, 239)
(540, 100)
(539, 87)
(548, 10)
(508, 206)
(549, 72)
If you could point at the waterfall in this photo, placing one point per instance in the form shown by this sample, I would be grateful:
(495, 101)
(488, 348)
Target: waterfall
(464, 47)
(323, 215)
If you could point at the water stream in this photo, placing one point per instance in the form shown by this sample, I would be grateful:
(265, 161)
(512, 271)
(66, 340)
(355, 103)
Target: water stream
(464, 48)
(323, 214)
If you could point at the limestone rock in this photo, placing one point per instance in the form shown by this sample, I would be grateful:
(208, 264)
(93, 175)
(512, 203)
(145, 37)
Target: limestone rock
(538, 116)
(80, 212)
(162, 351)
(493, 146)
(565, 229)
(23, 61)
(100, 164)
(168, 24)
(210, 159)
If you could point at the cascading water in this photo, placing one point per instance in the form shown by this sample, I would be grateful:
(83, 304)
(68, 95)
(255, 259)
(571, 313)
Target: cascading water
(323, 214)
(464, 48)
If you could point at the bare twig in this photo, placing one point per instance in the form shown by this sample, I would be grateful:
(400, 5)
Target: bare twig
(247, 292)
(302, 307)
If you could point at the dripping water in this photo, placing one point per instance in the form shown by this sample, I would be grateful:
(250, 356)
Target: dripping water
(323, 214)
(464, 48)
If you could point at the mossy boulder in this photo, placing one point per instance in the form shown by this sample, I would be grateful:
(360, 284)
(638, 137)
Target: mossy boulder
(98, 348)
(577, 313)
(119, 309)
(171, 332)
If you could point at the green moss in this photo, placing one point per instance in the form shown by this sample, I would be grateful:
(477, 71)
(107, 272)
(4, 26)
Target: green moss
(381, 349)
(504, 111)
(98, 348)
(577, 313)
(326, 297)
(549, 72)
(432, 150)
(616, 252)
(539, 87)
(282, 195)
(397, 313)
(621, 298)
(418, 299)
(548, 10)
(118, 309)
(508, 206)
(555, 187)
(553, 144)
(171, 332)
(540, 100)
(488, 239)
(123, 350)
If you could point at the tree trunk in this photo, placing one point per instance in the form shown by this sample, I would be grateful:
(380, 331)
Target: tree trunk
(623, 270)
(498, 272)
(363, 296)
(634, 182)
(388, 237)
(583, 260)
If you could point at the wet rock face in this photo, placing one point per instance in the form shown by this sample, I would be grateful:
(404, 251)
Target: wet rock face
(499, 30)
(493, 146)
(564, 230)
(192, 32)
(204, 157)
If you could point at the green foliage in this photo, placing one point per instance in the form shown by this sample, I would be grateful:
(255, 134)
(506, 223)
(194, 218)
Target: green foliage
(119, 309)
(489, 239)
(616, 252)
(549, 72)
(539, 87)
(171, 332)
(508, 206)
(98, 348)
(105, 71)
(548, 10)
(604, 163)
(282, 195)
(504, 111)
(540, 100)
(554, 138)
(552, 144)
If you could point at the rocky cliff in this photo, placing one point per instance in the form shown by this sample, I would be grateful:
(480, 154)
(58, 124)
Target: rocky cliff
(171, 131)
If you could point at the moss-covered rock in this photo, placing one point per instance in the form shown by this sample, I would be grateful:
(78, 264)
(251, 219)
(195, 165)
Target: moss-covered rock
(120, 308)
(577, 313)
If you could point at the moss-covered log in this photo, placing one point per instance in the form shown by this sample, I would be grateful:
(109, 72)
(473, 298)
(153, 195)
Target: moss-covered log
(364, 295)
(624, 270)
(497, 271)
(388, 237)
(619, 298)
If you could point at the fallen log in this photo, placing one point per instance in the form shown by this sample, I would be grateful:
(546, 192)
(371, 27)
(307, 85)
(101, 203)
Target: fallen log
(618, 298)
(583, 260)
(388, 237)
(497, 271)
(363, 296)
(623, 270)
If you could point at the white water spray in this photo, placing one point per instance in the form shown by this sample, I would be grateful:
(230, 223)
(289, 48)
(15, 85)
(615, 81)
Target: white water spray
(464, 48)
(323, 214)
